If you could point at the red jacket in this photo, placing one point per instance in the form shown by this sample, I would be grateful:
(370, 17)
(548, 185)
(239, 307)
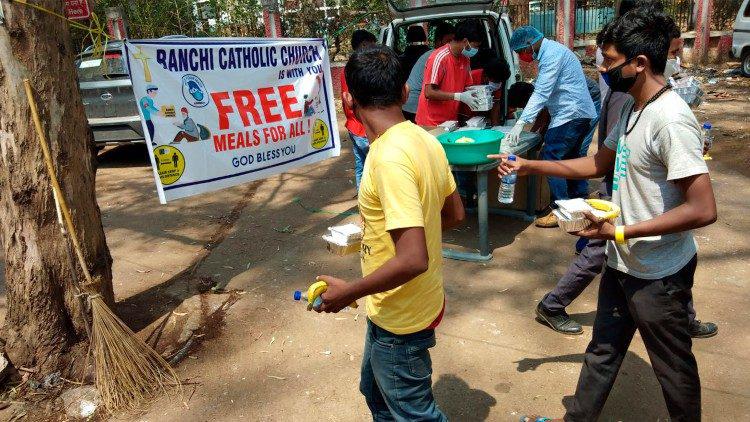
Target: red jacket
(352, 124)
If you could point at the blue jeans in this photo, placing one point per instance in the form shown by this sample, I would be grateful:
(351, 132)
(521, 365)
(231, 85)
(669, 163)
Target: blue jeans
(397, 375)
(584, 151)
(360, 146)
(561, 143)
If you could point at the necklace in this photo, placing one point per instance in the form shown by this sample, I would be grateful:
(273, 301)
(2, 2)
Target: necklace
(650, 100)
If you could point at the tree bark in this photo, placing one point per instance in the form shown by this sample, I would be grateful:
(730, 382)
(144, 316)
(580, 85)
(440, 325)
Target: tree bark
(44, 328)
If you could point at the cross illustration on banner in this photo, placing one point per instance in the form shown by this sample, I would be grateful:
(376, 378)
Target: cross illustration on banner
(140, 55)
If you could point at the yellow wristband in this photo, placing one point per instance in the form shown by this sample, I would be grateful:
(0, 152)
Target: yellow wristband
(620, 234)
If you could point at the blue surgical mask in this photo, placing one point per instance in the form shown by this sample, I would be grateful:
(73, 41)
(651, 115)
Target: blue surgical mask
(471, 52)
(494, 86)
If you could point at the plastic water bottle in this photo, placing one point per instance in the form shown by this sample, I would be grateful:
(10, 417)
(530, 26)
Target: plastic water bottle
(708, 138)
(302, 297)
(507, 186)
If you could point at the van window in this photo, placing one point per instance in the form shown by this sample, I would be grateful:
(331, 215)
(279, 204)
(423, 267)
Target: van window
(746, 13)
(399, 39)
(92, 68)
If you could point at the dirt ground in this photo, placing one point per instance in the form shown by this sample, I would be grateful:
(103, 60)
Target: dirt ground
(268, 359)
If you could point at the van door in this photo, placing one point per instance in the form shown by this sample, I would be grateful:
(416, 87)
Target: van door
(512, 59)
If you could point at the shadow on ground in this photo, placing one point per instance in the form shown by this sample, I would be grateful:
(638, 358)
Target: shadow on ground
(635, 387)
(459, 401)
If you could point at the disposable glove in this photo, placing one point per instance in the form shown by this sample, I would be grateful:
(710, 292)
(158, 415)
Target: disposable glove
(515, 134)
(467, 97)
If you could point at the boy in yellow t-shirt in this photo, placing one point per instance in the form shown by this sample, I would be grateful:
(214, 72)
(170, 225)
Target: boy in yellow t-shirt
(407, 197)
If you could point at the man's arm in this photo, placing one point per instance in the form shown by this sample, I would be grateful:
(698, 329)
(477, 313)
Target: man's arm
(578, 168)
(411, 260)
(452, 213)
(698, 210)
(431, 92)
(542, 122)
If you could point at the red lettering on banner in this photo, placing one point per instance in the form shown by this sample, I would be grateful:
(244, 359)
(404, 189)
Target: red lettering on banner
(288, 101)
(268, 104)
(246, 104)
(223, 110)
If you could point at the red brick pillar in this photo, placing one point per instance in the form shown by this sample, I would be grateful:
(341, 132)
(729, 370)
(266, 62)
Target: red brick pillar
(702, 30)
(566, 22)
(271, 19)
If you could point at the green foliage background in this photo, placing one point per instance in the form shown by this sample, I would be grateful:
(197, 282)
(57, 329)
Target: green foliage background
(243, 18)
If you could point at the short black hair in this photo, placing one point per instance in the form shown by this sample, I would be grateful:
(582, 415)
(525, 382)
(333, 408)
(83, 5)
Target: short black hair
(471, 29)
(442, 29)
(374, 76)
(497, 70)
(519, 94)
(415, 33)
(361, 36)
(642, 31)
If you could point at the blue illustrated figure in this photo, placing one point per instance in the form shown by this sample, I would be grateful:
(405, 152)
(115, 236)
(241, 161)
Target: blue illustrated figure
(148, 108)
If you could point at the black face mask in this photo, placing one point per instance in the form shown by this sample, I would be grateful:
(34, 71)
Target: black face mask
(616, 82)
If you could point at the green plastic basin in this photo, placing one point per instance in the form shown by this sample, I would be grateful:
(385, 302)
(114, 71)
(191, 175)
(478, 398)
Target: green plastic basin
(486, 141)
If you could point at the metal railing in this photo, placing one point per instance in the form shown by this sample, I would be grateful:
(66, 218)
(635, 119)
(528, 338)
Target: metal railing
(591, 15)
(541, 14)
(682, 11)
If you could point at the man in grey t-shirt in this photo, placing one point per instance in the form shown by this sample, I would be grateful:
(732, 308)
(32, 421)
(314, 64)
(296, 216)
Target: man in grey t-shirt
(663, 190)
(444, 33)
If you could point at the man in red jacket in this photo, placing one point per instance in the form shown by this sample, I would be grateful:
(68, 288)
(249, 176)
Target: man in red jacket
(360, 145)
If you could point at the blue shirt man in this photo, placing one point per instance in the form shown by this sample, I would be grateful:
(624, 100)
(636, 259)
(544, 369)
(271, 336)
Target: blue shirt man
(147, 107)
(561, 88)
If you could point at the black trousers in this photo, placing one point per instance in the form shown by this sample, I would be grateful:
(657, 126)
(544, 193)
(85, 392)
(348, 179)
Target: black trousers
(581, 273)
(659, 310)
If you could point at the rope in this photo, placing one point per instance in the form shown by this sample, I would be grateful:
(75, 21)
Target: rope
(95, 30)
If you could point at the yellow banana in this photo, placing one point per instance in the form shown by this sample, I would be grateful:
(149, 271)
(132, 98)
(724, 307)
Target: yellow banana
(313, 295)
(612, 210)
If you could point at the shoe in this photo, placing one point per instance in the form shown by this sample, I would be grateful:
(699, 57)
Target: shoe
(560, 323)
(703, 329)
(546, 221)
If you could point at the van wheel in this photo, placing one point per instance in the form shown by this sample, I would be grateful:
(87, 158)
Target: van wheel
(746, 64)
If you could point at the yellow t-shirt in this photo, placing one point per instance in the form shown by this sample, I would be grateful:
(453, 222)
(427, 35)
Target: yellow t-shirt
(405, 181)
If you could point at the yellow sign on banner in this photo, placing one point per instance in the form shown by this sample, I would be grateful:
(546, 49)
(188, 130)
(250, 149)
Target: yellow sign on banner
(170, 163)
(319, 134)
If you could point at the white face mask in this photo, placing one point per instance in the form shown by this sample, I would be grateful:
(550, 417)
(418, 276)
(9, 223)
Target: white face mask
(672, 67)
(494, 86)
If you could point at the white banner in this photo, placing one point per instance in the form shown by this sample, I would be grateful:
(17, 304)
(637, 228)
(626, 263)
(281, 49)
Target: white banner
(217, 112)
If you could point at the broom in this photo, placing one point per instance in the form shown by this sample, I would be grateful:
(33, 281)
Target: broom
(128, 371)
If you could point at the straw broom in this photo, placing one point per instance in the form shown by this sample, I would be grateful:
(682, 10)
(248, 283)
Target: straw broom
(128, 371)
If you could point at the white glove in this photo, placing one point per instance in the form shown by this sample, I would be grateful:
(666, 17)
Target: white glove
(467, 97)
(515, 134)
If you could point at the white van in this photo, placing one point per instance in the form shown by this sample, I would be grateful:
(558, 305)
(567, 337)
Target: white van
(741, 37)
(410, 12)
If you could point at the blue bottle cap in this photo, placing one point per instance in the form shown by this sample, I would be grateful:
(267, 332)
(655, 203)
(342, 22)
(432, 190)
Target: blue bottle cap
(511, 157)
(297, 295)
(707, 125)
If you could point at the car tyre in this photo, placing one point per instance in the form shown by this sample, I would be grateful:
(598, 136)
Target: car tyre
(745, 66)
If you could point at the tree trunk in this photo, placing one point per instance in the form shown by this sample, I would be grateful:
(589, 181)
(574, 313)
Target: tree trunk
(44, 328)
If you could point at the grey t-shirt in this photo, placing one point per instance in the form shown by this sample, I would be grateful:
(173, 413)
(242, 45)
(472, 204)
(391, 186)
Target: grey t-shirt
(416, 78)
(664, 146)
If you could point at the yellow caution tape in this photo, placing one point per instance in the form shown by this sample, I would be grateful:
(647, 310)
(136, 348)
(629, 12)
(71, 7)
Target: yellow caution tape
(95, 30)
